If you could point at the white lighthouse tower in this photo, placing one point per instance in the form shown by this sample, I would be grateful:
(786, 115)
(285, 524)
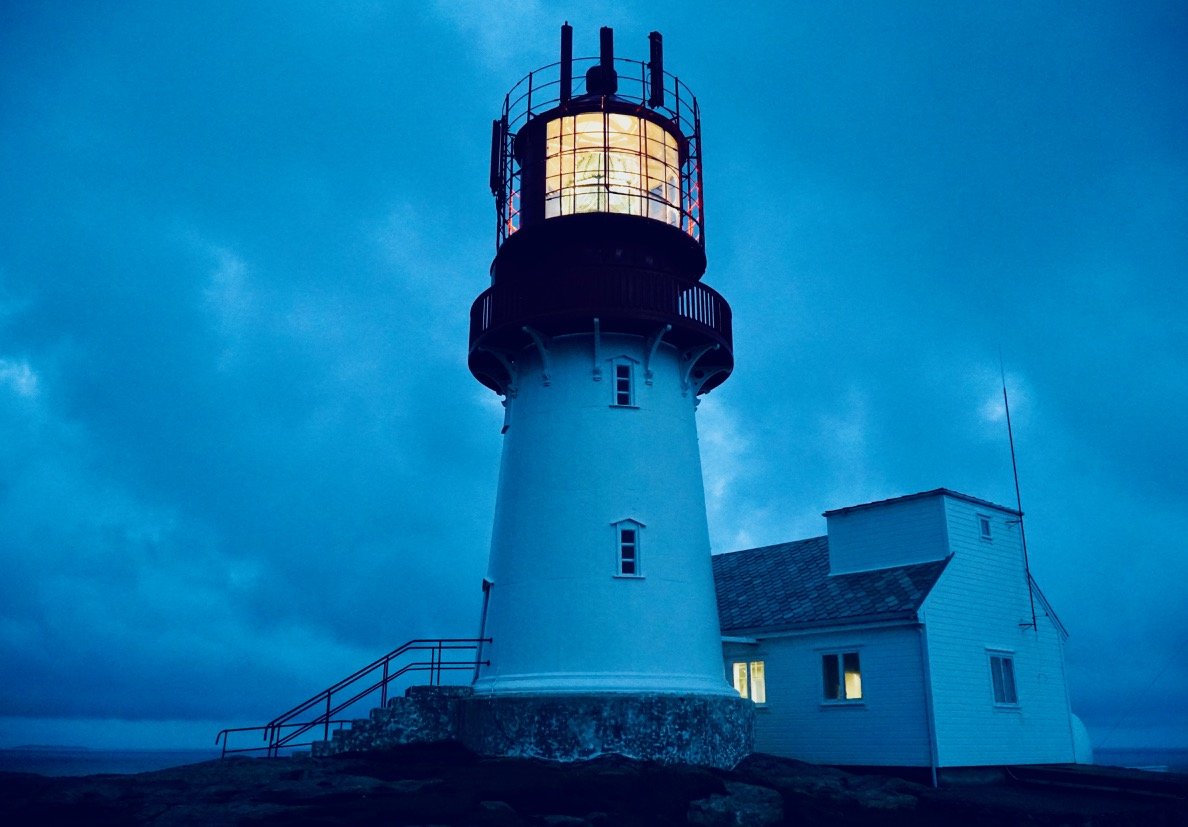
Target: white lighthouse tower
(599, 335)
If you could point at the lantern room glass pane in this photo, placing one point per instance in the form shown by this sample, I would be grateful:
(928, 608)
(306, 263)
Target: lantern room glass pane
(612, 162)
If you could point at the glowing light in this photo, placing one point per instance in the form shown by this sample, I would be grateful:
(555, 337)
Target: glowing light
(610, 162)
(740, 679)
(758, 683)
(853, 676)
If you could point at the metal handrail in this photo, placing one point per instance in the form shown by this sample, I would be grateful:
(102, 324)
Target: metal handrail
(636, 290)
(283, 730)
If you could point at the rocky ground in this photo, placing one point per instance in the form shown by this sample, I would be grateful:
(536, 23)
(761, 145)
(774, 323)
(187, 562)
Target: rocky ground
(446, 785)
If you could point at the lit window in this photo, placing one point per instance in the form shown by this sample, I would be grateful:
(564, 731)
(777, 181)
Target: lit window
(740, 680)
(1002, 676)
(611, 162)
(758, 684)
(624, 390)
(842, 676)
(984, 527)
(749, 681)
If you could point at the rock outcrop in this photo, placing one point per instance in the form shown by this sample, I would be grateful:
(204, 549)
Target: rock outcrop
(445, 784)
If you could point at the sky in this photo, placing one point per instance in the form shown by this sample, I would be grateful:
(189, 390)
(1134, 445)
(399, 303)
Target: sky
(240, 450)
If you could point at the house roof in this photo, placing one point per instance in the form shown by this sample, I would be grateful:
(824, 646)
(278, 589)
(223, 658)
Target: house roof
(788, 585)
(948, 492)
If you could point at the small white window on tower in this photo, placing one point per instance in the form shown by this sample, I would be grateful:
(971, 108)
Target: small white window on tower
(627, 549)
(624, 387)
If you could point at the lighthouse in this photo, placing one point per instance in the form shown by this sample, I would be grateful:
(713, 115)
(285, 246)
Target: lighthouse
(600, 337)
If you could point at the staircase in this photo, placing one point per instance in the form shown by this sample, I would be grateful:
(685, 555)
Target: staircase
(425, 715)
(431, 708)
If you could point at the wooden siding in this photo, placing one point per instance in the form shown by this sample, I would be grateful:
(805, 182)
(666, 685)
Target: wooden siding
(888, 727)
(980, 604)
(891, 534)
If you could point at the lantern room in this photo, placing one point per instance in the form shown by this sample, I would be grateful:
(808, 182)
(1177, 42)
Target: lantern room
(621, 139)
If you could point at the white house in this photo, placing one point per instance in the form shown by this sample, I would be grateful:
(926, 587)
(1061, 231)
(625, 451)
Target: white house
(911, 636)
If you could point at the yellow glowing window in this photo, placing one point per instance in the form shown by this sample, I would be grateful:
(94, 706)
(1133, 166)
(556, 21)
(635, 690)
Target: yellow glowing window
(842, 677)
(749, 681)
(610, 162)
(740, 679)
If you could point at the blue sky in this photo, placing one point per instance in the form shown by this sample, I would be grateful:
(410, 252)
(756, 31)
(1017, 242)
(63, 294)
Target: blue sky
(241, 453)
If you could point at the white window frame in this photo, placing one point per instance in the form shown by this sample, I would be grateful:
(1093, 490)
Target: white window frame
(623, 545)
(838, 657)
(623, 397)
(1004, 687)
(750, 680)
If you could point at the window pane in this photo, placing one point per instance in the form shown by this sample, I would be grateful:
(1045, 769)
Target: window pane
(628, 567)
(740, 679)
(611, 163)
(623, 385)
(832, 677)
(758, 684)
(1008, 681)
(996, 679)
(853, 676)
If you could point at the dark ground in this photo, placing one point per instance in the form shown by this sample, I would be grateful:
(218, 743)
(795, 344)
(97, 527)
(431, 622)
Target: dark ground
(446, 785)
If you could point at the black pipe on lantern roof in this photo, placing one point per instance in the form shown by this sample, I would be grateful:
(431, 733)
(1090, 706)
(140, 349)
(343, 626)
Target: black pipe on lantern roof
(600, 219)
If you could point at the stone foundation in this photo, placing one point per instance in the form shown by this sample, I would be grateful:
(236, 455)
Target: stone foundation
(704, 730)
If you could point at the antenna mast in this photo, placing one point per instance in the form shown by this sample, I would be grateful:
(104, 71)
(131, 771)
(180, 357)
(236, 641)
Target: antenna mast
(1018, 498)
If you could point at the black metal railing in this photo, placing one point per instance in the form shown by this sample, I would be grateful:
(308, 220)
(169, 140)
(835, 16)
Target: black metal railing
(282, 732)
(642, 294)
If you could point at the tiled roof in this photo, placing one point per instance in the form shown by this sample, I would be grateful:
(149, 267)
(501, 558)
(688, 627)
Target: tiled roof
(789, 585)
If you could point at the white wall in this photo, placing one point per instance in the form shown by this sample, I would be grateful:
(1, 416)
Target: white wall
(888, 727)
(980, 603)
(882, 536)
(573, 464)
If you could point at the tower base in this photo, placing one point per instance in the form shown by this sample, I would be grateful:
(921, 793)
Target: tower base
(705, 730)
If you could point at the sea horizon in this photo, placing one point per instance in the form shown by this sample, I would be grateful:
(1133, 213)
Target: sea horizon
(54, 760)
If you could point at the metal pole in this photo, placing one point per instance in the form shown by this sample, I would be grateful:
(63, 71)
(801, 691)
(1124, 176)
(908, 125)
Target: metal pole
(384, 685)
(1018, 498)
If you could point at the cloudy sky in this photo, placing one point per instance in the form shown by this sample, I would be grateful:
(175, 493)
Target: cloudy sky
(241, 453)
